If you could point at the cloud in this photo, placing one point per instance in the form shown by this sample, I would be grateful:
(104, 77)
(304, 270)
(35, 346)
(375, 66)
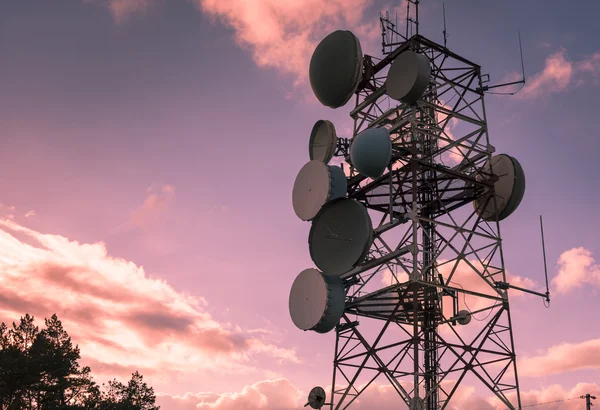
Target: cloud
(270, 394)
(122, 318)
(123, 9)
(563, 358)
(577, 268)
(7, 211)
(555, 77)
(454, 155)
(29, 214)
(283, 34)
(159, 198)
(559, 74)
(281, 394)
(553, 397)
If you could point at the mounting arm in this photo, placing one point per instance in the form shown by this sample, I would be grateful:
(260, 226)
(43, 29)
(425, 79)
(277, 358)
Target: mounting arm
(505, 286)
(546, 296)
(484, 88)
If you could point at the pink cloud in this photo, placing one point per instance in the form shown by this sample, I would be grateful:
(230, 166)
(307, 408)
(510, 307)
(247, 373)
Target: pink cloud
(270, 394)
(590, 64)
(123, 9)
(122, 318)
(454, 155)
(7, 211)
(577, 268)
(565, 357)
(553, 397)
(555, 77)
(283, 34)
(158, 199)
(559, 74)
(281, 394)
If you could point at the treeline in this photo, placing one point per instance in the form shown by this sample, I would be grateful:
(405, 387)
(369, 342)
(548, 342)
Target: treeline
(39, 370)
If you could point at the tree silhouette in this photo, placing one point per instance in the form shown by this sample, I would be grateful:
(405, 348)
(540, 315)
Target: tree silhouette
(40, 370)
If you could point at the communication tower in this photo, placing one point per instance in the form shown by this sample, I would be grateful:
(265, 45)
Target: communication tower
(418, 206)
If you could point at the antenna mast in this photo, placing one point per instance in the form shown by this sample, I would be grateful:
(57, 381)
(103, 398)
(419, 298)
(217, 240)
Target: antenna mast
(444, 32)
(409, 241)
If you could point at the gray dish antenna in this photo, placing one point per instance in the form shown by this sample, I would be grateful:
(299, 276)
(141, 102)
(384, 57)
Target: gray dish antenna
(317, 184)
(336, 68)
(509, 189)
(316, 301)
(323, 141)
(316, 398)
(408, 77)
(340, 236)
(463, 317)
(371, 152)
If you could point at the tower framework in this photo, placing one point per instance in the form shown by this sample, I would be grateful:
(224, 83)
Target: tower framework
(432, 251)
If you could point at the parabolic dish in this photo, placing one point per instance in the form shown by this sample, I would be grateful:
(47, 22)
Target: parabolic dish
(408, 77)
(464, 317)
(336, 68)
(316, 397)
(316, 301)
(340, 236)
(371, 151)
(316, 184)
(509, 189)
(323, 141)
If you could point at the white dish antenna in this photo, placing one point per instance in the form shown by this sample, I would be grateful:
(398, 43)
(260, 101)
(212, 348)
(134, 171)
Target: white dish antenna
(463, 317)
(316, 301)
(317, 184)
(340, 236)
(336, 68)
(509, 189)
(323, 141)
(408, 77)
(371, 152)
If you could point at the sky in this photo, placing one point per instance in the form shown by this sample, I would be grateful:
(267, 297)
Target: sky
(149, 149)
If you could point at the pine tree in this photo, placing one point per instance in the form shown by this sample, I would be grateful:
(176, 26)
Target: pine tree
(40, 370)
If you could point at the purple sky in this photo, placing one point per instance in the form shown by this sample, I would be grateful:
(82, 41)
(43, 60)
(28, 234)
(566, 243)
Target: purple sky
(172, 132)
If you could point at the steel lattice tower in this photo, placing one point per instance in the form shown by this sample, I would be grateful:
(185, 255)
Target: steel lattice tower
(426, 230)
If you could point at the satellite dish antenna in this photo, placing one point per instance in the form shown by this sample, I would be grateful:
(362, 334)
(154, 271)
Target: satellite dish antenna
(316, 398)
(336, 68)
(463, 317)
(316, 184)
(371, 152)
(509, 189)
(316, 301)
(408, 77)
(340, 236)
(323, 141)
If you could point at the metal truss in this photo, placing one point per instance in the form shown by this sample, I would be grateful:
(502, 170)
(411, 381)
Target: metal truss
(427, 234)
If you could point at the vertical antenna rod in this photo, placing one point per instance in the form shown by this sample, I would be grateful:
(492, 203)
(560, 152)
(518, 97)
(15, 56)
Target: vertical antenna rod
(446, 35)
(544, 253)
(520, 49)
